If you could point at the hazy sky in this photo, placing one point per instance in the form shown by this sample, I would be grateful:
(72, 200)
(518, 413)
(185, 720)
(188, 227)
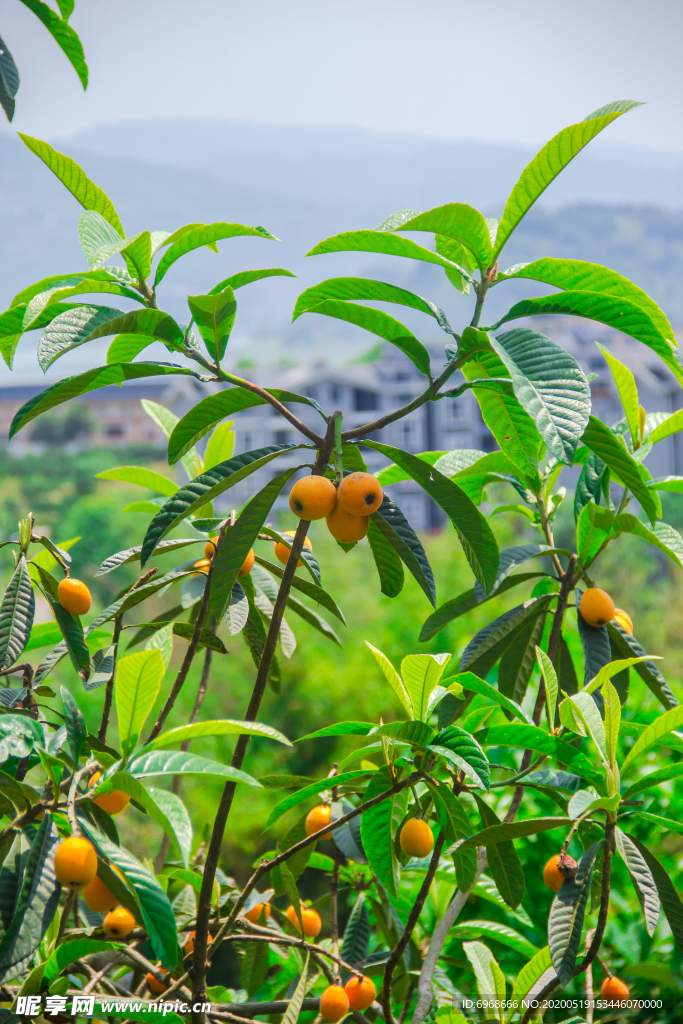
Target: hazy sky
(497, 70)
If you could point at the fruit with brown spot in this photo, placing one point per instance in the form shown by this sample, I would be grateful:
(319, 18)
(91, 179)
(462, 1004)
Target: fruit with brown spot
(596, 607)
(312, 498)
(360, 494)
(118, 923)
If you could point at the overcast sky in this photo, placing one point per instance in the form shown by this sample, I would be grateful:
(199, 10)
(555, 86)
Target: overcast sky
(497, 70)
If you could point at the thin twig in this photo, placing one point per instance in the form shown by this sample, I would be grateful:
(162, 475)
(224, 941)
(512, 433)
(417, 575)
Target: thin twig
(109, 690)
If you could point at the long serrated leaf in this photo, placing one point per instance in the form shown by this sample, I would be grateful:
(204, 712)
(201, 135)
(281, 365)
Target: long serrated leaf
(393, 678)
(653, 733)
(219, 727)
(204, 489)
(16, 615)
(469, 681)
(461, 748)
(356, 940)
(530, 737)
(567, 913)
(458, 221)
(133, 554)
(550, 385)
(138, 678)
(71, 329)
(670, 900)
(376, 832)
(291, 1014)
(387, 561)
(501, 627)
(92, 380)
(474, 532)
(549, 162)
(497, 932)
(74, 178)
(527, 978)
(151, 762)
(204, 234)
(628, 646)
(642, 879)
(399, 534)
(380, 242)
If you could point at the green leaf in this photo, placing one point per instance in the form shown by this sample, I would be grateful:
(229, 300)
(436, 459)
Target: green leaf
(670, 900)
(550, 385)
(303, 794)
(512, 427)
(627, 390)
(133, 554)
(612, 710)
(577, 275)
(611, 310)
(421, 673)
(503, 860)
(593, 526)
(518, 660)
(474, 532)
(71, 329)
(607, 447)
(69, 952)
(122, 781)
(567, 913)
(9, 80)
(70, 45)
(37, 898)
(376, 829)
(628, 646)
(653, 733)
(152, 323)
(528, 977)
(551, 685)
(486, 971)
(493, 930)
(16, 615)
(162, 641)
(453, 817)
(74, 721)
(662, 536)
(381, 242)
(642, 880)
(464, 603)
(75, 180)
(291, 1014)
(203, 489)
(151, 762)
(354, 950)
(532, 738)
(214, 316)
(138, 678)
(548, 163)
(379, 323)
(99, 239)
(459, 747)
(460, 222)
(156, 911)
(306, 587)
(393, 474)
(343, 728)
(671, 425)
(143, 477)
(492, 835)
(469, 681)
(220, 446)
(313, 619)
(487, 638)
(397, 532)
(204, 234)
(387, 561)
(239, 540)
(91, 380)
(248, 276)
(672, 771)
(219, 727)
(393, 678)
(361, 288)
(138, 256)
(204, 416)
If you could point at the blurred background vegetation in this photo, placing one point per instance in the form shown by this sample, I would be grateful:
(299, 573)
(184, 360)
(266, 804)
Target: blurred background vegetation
(322, 683)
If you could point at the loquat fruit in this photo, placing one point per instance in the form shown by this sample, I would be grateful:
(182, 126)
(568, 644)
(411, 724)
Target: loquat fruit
(203, 564)
(209, 549)
(282, 551)
(112, 803)
(614, 990)
(318, 818)
(334, 1003)
(98, 897)
(248, 563)
(558, 868)
(188, 945)
(624, 619)
(361, 993)
(74, 596)
(345, 527)
(416, 838)
(153, 984)
(310, 919)
(118, 923)
(360, 494)
(75, 863)
(314, 497)
(597, 607)
(254, 915)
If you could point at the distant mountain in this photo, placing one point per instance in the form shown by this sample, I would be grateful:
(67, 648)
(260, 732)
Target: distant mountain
(306, 184)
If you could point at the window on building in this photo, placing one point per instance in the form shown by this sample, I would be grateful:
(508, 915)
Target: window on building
(335, 393)
(454, 411)
(404, 399)
(247, 442)
(115, 430)
(365, 401)
(408, 432)
(402, 375)
(282, 437)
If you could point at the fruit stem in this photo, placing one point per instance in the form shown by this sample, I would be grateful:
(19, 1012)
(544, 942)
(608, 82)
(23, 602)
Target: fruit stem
(415, 912)
(338, 450)
(66, 911)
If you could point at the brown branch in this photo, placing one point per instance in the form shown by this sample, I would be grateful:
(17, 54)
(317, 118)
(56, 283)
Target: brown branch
(599, 928)
(191, 649)
(109, 690)
(413, 916)
(317, 440)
